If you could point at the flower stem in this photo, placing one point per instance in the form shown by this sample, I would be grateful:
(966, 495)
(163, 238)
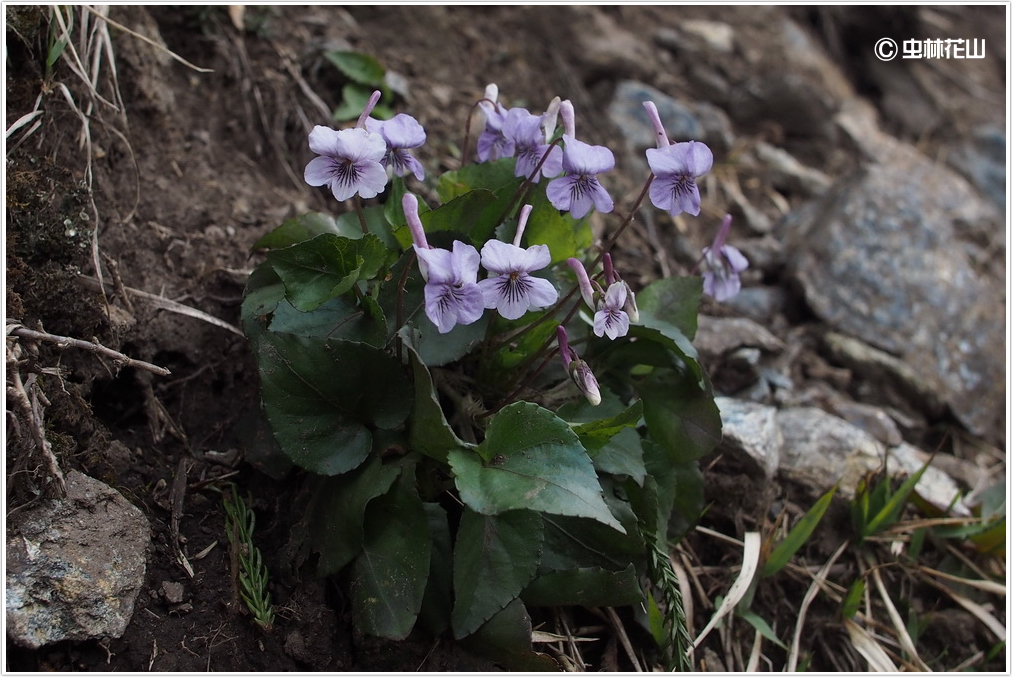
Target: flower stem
(361, 215)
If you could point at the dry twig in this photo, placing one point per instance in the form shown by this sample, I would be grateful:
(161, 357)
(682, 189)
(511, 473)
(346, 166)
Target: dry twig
(94, 347)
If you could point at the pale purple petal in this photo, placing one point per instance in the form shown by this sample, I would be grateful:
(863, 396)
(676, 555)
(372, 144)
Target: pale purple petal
(735, 258)
(533, 258)
(614, 323)
(319, 171)
(372, 179)
(582, 158)
(400, 131)
(675, 194)
(358, 145)
(323, 140)
(436, 264)
(464, 261)
(560, 192)
(498, 257)
(721, 288)
(541, 293)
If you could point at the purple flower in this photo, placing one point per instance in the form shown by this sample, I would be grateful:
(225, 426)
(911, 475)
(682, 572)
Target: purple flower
(529, 136)
(611, 318)
(676, 168)
(579, 189)
(510, 287)
(452, 294)
(400, 133)
(349, 162)
(493, 144)
(723, 263)
(578, 370)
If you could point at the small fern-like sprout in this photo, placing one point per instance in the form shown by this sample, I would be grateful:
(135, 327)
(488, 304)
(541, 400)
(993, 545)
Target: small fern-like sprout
(252, 574)
(677, 643)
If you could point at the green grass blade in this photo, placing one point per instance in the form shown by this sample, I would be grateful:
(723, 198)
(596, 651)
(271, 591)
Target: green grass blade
(798, 536)
(890, 512)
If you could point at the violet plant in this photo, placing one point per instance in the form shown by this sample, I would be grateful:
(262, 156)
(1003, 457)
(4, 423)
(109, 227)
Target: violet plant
(491, 420)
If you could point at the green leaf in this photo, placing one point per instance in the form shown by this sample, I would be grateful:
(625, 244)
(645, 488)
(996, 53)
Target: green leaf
(606, 428)
(337, 513)
(797, 536)
(852, 602)
(494, 558)
(436, 349)
(300, 229)
(576, 543)
(760, 624)
(349, 225)
(472, 215)
(491, 176)
(325, 267)
(564, 236)
(589, 586)
(671, 303)
(679, 415)
(430, 432)
(335, 318)
(890, 512)
(320, 394)
(620, 455)
(361, 68)
(532, 460)
(506, 639)
(388, 579)
(264, 291)
(438, 599)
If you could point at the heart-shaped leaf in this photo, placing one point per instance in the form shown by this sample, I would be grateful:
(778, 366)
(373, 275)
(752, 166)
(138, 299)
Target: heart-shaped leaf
(495, 557)
(321, 394)
(326, 266)
(588, 586)
(388, 579)
(530, 459)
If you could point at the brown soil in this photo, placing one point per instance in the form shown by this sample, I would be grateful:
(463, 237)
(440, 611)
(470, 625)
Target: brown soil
(186, 178)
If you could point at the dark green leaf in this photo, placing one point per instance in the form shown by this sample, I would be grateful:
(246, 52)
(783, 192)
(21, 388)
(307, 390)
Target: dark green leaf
(494, 558)
(430, 433)
(337, 514)
(300, 229)
(490, 176)
(680, 416)
(606, 428)
(335, 318)
(264, 290)
(620, 455)
(438, 599)
(506, 639)
(575, 543)
(325, 267)
(319, 395)
(590, 586)
(361, 68)
(887, 515)
(349, 225)
(671, 303)
(388, 579)
(532, 460)
(465, 214)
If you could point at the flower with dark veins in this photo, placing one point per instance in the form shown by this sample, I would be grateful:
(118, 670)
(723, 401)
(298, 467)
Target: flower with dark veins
(510, 288)
(452, 294)
(350, 162)
(676, 168)
(579, 189)
(401, 133)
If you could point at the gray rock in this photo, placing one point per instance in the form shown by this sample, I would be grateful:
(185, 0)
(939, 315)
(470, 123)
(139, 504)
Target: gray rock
(822, 450)
(683, 121)
(890, 256)
(716, 336)
(787, 173)
(751, 433)
(982, 161)
(869, 418)
(76, 566)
